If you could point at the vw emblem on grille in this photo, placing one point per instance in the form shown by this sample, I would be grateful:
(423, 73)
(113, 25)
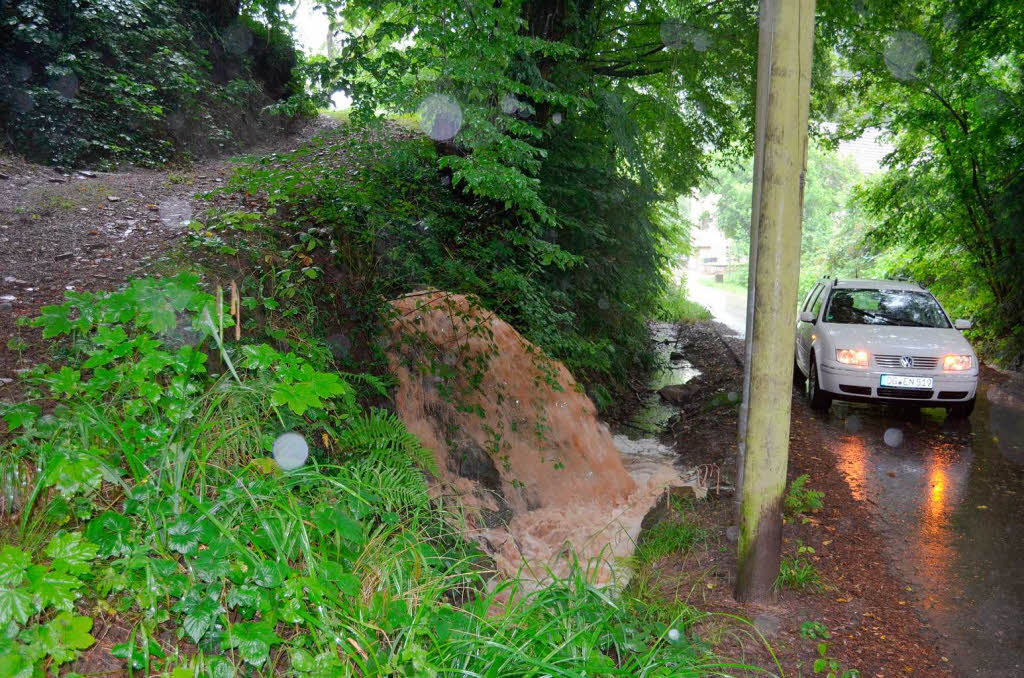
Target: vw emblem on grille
(907, 361)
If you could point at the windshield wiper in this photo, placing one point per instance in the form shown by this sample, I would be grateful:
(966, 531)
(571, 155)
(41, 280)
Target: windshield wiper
(905, 321)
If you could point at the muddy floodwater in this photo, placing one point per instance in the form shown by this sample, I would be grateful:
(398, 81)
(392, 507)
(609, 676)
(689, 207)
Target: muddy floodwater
(947, 496)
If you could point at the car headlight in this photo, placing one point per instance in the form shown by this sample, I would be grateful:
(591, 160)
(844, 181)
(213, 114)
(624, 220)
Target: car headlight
(956, 363)
(852, 356)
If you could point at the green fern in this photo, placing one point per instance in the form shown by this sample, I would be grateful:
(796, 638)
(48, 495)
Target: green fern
(381, 436)
(388, 487)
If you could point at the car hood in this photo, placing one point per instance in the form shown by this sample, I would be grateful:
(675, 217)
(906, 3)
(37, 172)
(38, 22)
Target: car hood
(894, 339)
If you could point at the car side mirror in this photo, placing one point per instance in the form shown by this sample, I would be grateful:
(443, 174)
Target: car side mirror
(808, 317)
(962, 324)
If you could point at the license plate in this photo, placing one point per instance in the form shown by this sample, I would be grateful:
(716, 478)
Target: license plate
(899, 381)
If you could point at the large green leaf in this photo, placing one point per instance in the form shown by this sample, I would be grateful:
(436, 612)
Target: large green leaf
(71, 553)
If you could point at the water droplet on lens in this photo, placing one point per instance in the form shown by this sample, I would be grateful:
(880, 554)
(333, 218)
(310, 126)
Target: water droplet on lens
(675, 34)
(290, 451)
(21, 72)
(673, 635)
(66, 85)
(701, 41)
(237, 39)
(509, 105)
(906, 55)
(603, 304)
(951, 21)
(175, 212)
(733, 396)
(557, 118)
(22, 102)
(893, 437)
(853, 423)
(440, 117)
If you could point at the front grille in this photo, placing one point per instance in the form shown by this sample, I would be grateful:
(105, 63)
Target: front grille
(952, 395)
(859, 390)
(921, 362)
(915, 393)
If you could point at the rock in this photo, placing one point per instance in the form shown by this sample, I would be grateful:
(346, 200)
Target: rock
(767, 624)
(5, 306)
(63, 255)
(13, 281)
(6, 380)
(4, 177)
(87, 174)
(679, 394)
(56, 180)
(113, 198)
(732, 533)
(675, 355)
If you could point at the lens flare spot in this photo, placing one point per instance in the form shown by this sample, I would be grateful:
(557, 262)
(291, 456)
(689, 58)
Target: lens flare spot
(893, 437)
(22, 102)
(237, 39)
(509, 105)
(175, 212)
(907, 55)
(290, 451)
(65, 85)
(440, 117)
(853, 423)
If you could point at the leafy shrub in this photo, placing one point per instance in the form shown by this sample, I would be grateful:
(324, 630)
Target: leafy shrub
(675, 307)
(359, 216)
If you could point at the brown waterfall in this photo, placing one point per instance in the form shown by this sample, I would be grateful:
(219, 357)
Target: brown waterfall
(516, 440)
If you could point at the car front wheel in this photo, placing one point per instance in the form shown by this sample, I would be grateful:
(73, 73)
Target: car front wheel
(820, 400)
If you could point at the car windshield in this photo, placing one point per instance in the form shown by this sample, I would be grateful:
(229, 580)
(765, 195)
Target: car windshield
(885, 307)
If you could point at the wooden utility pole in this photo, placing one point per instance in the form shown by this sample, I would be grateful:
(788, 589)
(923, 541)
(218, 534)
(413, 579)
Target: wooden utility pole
(783, 94)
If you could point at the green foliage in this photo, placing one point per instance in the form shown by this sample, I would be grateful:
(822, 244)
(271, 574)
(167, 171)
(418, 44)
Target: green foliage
(569, 130)
(798, 573)
(30, 592)
(800, 499)
(130, 80)
(834, 224)
(830, 666)
(338, 568)
(945, 80)
(675, 307)
(814, 630)
(668, 536)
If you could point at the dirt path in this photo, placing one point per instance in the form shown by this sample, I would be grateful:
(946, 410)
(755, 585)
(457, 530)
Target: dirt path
(62, 230)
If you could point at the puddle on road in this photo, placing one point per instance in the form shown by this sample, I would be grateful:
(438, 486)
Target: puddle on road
(949, 502)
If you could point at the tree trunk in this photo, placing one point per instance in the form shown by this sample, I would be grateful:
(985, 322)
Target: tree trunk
(784, 60)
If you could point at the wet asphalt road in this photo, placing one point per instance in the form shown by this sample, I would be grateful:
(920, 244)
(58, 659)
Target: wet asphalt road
(947, 496)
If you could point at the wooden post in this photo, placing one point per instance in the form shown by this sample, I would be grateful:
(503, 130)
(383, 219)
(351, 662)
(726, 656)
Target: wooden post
(784, 70)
